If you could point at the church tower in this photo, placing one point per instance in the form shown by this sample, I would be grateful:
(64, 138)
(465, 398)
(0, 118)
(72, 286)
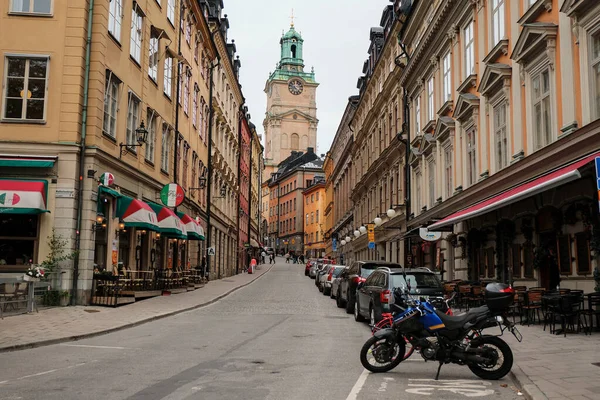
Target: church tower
(291, 119)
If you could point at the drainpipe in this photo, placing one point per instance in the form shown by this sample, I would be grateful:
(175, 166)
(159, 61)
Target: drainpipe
(177, 108)
(86, 89)
(209, 178)
(250, 189)
(239, 214)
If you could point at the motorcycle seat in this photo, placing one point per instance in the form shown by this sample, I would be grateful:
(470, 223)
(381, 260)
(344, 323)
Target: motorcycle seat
(458, 321)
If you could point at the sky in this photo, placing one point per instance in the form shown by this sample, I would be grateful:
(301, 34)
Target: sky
(336, 41)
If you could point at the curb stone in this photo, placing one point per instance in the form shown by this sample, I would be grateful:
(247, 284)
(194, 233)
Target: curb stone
(49, 342)
(528, 388)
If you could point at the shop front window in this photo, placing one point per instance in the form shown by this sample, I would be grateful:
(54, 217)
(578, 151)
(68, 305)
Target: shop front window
(18, 238)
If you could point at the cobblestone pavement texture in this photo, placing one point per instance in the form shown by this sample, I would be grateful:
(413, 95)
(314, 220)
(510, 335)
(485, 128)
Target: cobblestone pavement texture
(547, 366)
(54, 325)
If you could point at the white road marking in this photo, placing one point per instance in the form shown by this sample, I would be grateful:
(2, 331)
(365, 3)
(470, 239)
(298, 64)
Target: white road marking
(47, 372)
(466, 387)
(358, 385)
(96, 347)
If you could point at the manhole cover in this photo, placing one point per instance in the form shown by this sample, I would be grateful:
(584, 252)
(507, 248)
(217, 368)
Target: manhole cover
(91, 311)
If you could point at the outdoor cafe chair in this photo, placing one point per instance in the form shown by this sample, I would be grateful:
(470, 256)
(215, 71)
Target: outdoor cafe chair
(593, 309)
(533, 304)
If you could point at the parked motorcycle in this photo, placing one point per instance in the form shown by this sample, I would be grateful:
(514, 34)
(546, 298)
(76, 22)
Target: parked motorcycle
(447, 339)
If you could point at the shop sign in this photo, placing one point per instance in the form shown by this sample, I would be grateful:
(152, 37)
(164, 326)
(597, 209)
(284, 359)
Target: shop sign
(106, 179)
(371, 232)
(293, 241)
(172, 195)
(210, 251)
(598, 179)
(65, 193)
(334, 244)
(429, 236)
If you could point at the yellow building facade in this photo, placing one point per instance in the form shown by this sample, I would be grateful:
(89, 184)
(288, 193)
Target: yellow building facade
(314, 221)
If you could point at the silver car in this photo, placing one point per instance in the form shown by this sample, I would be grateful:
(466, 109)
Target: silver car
(336, 283)
(327, 277)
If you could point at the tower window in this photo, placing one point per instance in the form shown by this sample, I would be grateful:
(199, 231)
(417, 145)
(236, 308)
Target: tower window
(293, 51)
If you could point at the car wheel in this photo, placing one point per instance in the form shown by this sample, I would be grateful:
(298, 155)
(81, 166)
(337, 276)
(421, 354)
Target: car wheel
(326, 291)
(349, 305)
(357, 316)
(338, 299)
(331, 293)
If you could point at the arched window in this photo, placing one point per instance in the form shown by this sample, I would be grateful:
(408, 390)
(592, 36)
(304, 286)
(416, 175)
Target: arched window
(295, 141)
(284, 141)
(293, 51)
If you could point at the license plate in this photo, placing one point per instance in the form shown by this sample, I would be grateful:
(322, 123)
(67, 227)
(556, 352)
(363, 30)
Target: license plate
(517, 334)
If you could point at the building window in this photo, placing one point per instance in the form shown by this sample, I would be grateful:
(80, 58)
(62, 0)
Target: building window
(26, 88)
(418, 114)
(431, 171)
(133, 117)
(115, 14)
(497, 21)
(418, 177)
(312, 198)
(184, 171)
(448, 171)
(542, 125)
(317, 220)
(312, 217)
(471, 157)
(500, 136)
(164, 148)
(188, 31)
(153, 59)
(469, 50)
(307, 219)
(136, 35)
(195, 105)
(111, 96)
(151, 118)
(168, 78)
(171, 11)
(430, 103)
(317, 196)
(447, 79)
(596, 71)
(32, 6)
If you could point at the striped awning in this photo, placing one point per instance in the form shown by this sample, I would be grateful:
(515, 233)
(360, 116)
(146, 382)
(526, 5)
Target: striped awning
(136, 214)
(194, 230)
(23, 161)
(169, 223)
(23, 197)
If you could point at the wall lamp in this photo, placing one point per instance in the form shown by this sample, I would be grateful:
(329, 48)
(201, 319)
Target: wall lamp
(201, 184)
(391, 213)
(141, 138)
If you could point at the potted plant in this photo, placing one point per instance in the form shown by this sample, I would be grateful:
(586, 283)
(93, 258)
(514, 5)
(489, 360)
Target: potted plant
(34, 274)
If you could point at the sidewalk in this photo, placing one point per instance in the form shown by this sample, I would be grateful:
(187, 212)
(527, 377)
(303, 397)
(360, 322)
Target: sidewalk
(551, 366)
(62, 324)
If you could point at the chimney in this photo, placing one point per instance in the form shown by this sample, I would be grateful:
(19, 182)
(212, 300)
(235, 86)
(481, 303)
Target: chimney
(310, 150)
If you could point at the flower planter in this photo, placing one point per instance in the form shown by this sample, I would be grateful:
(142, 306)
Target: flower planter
(29, 278)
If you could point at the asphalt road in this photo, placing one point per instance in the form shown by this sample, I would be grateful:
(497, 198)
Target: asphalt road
(278, 338)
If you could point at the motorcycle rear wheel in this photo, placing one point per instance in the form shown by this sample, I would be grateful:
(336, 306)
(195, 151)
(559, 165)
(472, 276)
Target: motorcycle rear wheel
(385, 352)
(503, 363)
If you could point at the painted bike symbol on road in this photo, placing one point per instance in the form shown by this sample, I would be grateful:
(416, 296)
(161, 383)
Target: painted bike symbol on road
(465, 387)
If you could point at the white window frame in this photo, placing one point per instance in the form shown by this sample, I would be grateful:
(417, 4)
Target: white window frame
(469, 48)
(540, 142)
(471, 151)
(448, 170)
(27, 80)
(153, 58)
(430, 100)
(500, 129)
(447, 78)
(152, 118)
(31, 8)
(111, 105)
(594, 63)
(137, 34)
(168, 77)
(171, 11)
(418, 114)
(195, 106)
(188, 31)
(186, 91)
(431, 181)
(115, 18)
(418, 186)
(498, 22)
(134, 105)
(165, 147)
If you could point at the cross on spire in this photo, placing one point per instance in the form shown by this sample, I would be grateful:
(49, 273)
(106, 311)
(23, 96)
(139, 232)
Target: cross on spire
(292, 18)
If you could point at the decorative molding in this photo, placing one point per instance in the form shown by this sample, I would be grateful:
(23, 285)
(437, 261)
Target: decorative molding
(484, 175)
(551, 51)
(518, 156)
(538, 8)
(535, 38)
(453, 34)
(569, 128)
(435, 62)
(501, 48)
(430, 126)
(495, 77)
(446, 108)
(469, 82)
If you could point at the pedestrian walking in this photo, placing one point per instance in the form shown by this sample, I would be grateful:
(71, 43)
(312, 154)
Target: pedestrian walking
(272, 259)
(263, 256)
(287, 258)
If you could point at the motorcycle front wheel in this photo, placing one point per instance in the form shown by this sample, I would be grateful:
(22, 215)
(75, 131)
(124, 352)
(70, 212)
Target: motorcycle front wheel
(499, 354)
(381, 354)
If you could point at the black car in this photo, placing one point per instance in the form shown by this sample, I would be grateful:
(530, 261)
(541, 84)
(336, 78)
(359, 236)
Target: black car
(374, 296)
(350, 278)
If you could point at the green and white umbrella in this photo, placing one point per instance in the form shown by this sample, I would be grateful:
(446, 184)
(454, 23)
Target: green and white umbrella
(169, 224)
(136, 214)
(194, 230)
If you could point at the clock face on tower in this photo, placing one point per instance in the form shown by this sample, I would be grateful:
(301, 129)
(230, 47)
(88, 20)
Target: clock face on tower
(295, 86)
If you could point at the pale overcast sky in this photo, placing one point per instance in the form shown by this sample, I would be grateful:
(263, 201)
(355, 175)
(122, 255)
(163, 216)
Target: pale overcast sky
(336, 41)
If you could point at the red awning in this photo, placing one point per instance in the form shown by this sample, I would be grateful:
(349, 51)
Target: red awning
(548, 181)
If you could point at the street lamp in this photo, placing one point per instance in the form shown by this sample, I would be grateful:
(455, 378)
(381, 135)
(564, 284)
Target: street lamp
(343, 242)
(141, 136)
(378, 221)
(356, 233)
(362, 229)
(348, 239)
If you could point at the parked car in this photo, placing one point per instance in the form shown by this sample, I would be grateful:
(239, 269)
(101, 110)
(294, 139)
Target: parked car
(336, 283)
(327, 278)
(309, 264)
(375, 294)
(358, 272)
(321, 269)
(313, 268)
